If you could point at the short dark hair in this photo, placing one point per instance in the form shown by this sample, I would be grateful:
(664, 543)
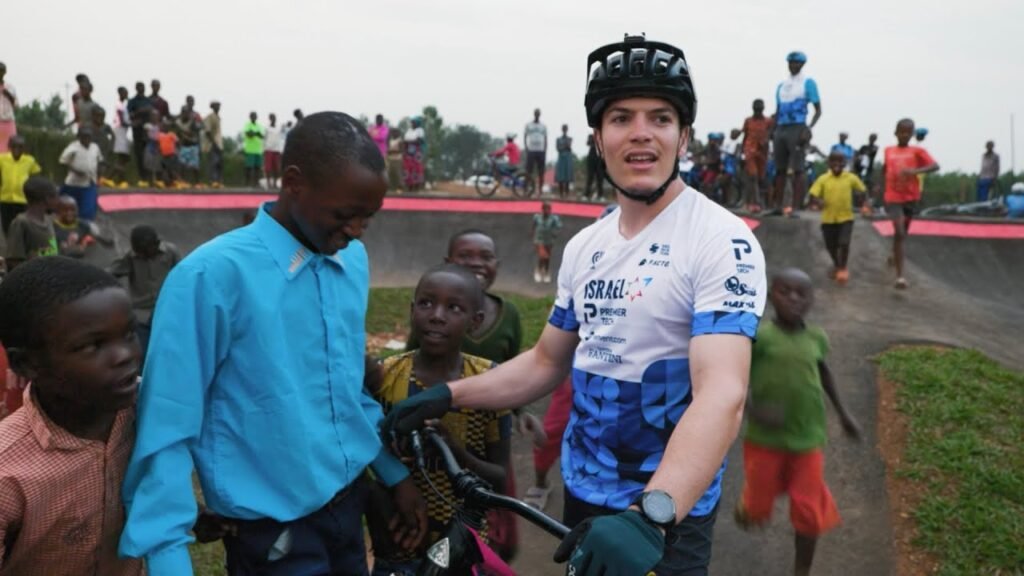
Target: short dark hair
(759, 101)
(38, 189)
(322, 141)
(476, 289)
(904, 121)
(468, 232)
(31, 294)
(143, 234)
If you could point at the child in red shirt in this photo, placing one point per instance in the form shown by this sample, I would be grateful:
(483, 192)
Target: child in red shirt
(903, 164)
(168, 142)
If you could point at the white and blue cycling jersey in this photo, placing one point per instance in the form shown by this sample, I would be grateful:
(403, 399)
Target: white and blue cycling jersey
(696, 269)
(792, 97)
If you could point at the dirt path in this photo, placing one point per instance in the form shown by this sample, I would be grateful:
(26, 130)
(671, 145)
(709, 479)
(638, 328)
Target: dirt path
(861, 319)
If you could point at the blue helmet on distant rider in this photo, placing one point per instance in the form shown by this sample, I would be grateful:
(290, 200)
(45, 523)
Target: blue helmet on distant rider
(921, 132)
(796, 56)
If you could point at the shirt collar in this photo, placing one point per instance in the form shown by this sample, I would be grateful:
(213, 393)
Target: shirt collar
(291, 256)
(50, 436)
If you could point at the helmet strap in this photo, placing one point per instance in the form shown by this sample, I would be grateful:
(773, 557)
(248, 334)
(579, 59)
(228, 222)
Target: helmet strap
(646, 198)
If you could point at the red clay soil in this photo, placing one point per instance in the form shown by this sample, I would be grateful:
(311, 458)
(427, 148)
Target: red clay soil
(904, 494)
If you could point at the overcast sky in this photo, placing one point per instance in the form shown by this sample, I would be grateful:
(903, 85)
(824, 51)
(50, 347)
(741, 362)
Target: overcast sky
(955, 67)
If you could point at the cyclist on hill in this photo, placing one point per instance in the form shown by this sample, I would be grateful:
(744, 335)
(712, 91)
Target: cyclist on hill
(511, 154)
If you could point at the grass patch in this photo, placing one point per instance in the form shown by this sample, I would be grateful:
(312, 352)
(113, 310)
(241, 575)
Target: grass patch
(389, 312)
(964, 453)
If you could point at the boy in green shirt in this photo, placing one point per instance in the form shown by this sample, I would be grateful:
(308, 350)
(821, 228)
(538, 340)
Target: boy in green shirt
(252, 145)
(32, 234)
(545, 229)
(786, 430)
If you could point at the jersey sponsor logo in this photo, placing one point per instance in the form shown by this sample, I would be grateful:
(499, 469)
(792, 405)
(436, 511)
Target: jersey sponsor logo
(739, 304)
(740, 247)
(605, 289)
(662, 249)
(735, 286)
(745, 268)
(592, 335)
(660, 263)
(595, 258)
(604, 355)
(607, 314)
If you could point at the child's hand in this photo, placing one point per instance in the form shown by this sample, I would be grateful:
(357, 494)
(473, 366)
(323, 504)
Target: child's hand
(409, 524)
(529, 425)
(210, 527)
(373, 374)
(851, 428)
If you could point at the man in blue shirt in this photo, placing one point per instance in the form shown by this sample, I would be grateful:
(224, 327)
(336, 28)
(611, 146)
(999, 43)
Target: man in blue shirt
(792, 133)
(844, 148)
(255, 378)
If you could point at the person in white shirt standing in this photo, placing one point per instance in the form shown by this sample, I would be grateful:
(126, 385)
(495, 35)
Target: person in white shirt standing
(273, 146)
(82, 159)
(535, 142)
(8, 103)
(122, 145)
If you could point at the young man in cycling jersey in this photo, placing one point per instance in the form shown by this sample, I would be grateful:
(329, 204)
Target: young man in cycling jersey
(657, 305)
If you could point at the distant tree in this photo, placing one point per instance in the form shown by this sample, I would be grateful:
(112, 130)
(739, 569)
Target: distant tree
(433, 125)
(463, 149)
(48, 116)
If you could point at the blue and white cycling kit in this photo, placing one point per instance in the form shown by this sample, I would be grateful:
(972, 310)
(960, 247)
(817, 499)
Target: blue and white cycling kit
(696, 269)
(792, 97)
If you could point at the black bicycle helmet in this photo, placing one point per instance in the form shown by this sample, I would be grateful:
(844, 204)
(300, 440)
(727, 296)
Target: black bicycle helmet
(637, 67)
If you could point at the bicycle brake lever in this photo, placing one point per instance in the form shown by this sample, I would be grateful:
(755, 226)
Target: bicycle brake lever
(417, 448)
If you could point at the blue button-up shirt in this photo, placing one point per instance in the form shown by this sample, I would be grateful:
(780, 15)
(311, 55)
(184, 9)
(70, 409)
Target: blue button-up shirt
(254, 377)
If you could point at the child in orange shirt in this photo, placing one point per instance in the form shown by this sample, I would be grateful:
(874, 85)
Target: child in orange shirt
(168, 142)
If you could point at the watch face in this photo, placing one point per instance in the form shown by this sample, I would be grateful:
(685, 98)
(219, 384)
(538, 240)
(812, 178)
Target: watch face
(659, 507)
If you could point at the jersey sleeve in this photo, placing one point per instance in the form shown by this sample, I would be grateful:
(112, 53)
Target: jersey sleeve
(811, 90)
(729, 283)
(563, 314)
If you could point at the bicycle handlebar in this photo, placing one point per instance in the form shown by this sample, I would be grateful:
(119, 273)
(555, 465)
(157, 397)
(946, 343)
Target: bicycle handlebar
(476, 492)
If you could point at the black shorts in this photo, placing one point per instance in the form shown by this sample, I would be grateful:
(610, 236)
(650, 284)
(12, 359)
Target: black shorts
(535, 163)
(901, 210)
(687, 545)
(790, 149)
(838, 234)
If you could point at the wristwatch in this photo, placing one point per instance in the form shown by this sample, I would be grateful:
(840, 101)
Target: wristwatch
(658, 508)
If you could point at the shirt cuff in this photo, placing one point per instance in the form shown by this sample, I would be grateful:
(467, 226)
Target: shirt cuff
(173, 561)
(389, 469)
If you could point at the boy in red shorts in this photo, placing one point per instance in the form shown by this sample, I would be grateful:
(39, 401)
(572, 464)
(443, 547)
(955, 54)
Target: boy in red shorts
(755, 154)
(903, 164)
(786, 428)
